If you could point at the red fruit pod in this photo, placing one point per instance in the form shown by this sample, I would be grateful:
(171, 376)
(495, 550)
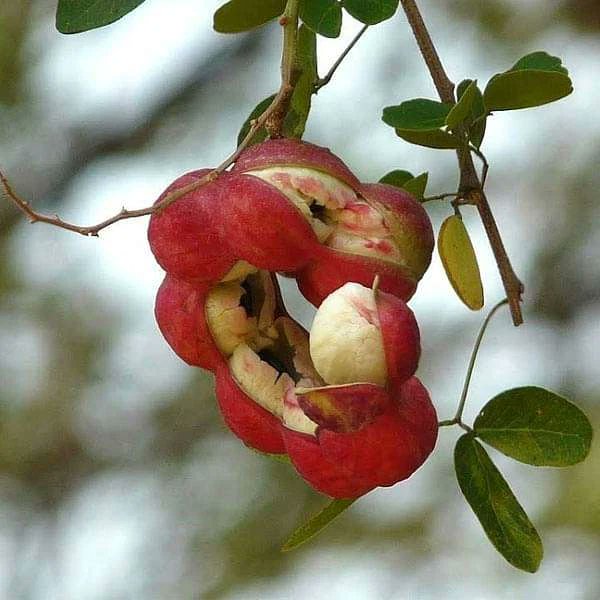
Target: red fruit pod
(401, 338)
(255, 385)
(183, 236)
(409, 223)
(343, 408)
(388, 450)
(287, 152)
(388, 233)
(262, 226)
(416, 408)
(179, 311)
(250, 422)
(332, 269)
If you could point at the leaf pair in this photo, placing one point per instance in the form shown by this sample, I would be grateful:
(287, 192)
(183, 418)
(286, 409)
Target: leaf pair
(421, 121)
(531, 425)
(320, 16)
(534, 80)
(325, 16)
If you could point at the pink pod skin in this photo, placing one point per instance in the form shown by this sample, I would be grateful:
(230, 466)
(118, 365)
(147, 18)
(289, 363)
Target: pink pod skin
(382, 453)
(183, 237)
(412, 225)
(295, 153)
(262, 226)
(401, 338)
(250, 422)
(344, 408)
(332, 269)
(179, 312)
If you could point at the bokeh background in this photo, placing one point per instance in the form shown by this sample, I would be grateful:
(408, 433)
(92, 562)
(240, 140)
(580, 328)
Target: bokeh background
(118, 479)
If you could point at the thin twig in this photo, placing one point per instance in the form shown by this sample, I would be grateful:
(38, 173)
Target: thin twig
(445, 196)
(470, 185)
(323, 81)
(276, 111)
(457, 419)
(485, 165)
(465, 390)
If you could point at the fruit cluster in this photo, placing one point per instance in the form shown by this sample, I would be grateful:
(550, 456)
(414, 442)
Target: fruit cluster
(343, 402)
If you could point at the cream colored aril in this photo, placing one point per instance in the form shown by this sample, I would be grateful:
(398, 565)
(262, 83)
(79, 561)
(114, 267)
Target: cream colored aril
(340, 218)
(271, 388)
(229, 322)
(262, 382)
(346, 345)
(308, 188)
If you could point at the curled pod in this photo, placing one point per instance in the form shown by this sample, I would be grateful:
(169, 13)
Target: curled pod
(183, 236)
(381, 453)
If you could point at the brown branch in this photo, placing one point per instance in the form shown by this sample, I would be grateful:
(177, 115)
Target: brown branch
(274, 114)
(289, 69)
(470, 184)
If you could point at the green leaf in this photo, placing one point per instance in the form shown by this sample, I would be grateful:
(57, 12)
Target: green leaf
(460, 262)
(397, 178)
(462, 109)
(462, 87)
(405, 180)
(242, 15)
(417, 185)
(476, 119)
(315, 525)
(417, 115)
(322, 16)
(75, 16)
(535, 426)
(371, 12)
(502, 517)
(477, 131)
(435, 138)
(258, 110)
(535, 79)
(540, 61)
